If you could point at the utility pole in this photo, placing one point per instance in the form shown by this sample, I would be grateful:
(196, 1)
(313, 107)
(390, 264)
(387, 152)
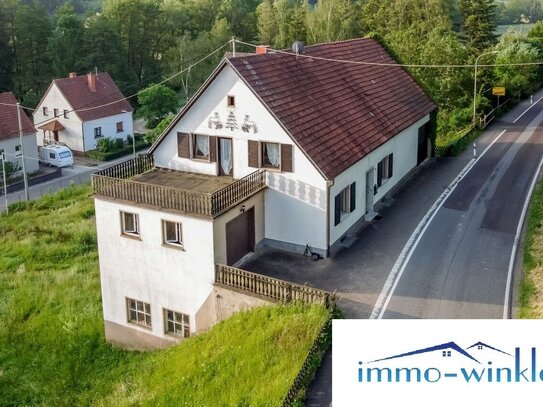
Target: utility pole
(233, 47)
(475, 85)
(3, 158)
(25, 178)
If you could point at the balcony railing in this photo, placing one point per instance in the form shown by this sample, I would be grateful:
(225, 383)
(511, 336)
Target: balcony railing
(116, 183)
(270, 288)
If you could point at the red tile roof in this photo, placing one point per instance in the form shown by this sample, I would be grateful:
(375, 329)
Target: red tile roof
(337, 112)
(9, 125)
(79, 95)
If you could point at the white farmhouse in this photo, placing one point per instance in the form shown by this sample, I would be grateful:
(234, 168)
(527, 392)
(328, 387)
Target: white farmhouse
(79, 110)
(274, 150)
(10, 141)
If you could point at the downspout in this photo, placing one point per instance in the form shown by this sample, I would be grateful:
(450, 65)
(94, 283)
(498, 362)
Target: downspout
(329, 185)
(83, 136)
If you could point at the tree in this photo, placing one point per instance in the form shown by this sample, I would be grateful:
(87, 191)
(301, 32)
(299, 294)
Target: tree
(519, 80)
(332, 20)
(6, 52)
(105, 52)
(151, 136)
(65, 45)
(156, 102)
(479, 25)
(31, 32)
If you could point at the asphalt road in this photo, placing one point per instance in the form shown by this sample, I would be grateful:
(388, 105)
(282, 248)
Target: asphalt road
(459, 268)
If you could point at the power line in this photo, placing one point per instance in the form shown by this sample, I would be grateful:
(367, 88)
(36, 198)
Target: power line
(346, 61)
(14, 105)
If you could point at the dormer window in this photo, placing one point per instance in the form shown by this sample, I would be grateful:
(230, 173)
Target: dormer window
(230, 101)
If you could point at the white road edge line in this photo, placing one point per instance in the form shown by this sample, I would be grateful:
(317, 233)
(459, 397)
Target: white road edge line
(401, 263)
(523, 113)
(506, 303)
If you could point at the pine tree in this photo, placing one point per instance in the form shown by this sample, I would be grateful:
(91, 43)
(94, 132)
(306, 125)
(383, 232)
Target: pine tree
(479, 24)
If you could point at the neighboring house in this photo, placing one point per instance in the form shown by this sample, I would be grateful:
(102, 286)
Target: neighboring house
(10, 141)
(79, 110)
(273, 150)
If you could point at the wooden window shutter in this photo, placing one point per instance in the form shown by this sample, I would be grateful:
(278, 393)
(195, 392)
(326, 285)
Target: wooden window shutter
(213, 149)
(352, 205)
(183, 147)
(286, 157)
(379, 173)
(337, 210)
(253, 153)
(390, 164)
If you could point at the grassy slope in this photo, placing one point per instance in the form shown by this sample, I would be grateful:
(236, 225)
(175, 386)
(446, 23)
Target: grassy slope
(531, 287)
(52, 349)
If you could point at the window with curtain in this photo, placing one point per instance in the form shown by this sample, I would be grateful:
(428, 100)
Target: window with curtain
(201, 146)
(226, 156)
(270, 155)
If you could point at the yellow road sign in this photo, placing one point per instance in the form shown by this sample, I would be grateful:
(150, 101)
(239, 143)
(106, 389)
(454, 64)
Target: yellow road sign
(498, 91)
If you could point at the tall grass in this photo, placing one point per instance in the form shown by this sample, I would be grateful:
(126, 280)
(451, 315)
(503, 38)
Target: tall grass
(52, 347)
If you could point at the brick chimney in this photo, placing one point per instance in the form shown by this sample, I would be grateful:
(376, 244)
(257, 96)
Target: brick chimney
(91, 82)
(262, 49)
(72, 74)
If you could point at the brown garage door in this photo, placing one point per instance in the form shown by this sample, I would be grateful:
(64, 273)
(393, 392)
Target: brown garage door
(240, 236)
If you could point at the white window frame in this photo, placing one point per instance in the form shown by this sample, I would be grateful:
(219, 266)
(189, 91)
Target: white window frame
(139, 313)
(179, 321)
(345, 200)
(55, 112)
(65, 114)
(120, 128)
(230, 98)
(45, 111)
(178, 241)
(136, 230)
(262, 146)
(98, 132)
(18, 151)
(206, 158)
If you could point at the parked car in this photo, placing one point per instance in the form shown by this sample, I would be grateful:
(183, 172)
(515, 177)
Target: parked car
(57, 156)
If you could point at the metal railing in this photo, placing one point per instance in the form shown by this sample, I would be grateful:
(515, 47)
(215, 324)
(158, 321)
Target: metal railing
(270, 288)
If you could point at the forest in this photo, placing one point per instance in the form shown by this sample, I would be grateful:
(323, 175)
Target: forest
(141, 42)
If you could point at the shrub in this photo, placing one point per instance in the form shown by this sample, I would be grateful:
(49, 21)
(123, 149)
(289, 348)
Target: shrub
(104, 145)
(118, 144)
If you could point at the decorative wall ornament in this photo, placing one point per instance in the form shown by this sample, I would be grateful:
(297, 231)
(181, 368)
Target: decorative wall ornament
(248, 125)
(214, 121)
(231, 122)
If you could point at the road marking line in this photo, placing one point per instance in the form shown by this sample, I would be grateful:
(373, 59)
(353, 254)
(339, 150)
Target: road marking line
(532, 105)
(507, 300)
(401, 263)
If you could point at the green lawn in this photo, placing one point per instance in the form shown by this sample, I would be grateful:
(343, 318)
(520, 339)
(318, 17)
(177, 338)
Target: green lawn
(52, 349)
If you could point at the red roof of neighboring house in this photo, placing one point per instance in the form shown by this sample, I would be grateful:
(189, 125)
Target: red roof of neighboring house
(337, 112)
(9, 124)
(81, 97)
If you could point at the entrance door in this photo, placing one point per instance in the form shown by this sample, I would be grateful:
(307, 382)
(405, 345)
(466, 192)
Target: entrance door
(422, 151)
(369, 191)
(240, 236)
(226, 161)
(55, 135)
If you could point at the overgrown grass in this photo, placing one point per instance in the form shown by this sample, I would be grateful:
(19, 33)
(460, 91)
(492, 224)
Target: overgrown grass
(531, 286)
(52, 348)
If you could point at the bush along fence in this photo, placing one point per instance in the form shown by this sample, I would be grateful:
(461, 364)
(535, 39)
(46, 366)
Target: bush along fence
(296, 393)
(466, 136)
(116, 152)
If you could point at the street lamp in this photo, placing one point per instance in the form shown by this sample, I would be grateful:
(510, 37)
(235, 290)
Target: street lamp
(475, 84)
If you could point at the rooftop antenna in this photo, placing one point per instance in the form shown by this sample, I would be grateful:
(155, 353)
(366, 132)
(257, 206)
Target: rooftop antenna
(297, 48)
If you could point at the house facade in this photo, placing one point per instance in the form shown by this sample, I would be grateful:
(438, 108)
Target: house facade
(79, 110)
(273, 151)
(10, 141)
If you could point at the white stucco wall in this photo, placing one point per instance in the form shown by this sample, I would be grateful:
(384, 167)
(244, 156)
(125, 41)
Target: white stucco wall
(403, 146)
(31, 151)
(295, 203)
(73, 127)
(71, 135)
(109, 128)
(145, 270)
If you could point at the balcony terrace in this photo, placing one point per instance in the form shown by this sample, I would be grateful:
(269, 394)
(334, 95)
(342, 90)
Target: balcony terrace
(139, 181)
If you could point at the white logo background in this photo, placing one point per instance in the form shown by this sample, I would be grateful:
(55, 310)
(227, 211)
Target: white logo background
(366, 341)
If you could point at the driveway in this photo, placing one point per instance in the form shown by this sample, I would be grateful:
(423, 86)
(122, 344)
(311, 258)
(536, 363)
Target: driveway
(358, 274)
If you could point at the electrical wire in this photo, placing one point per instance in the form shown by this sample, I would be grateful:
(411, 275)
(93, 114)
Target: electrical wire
(346, 61)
